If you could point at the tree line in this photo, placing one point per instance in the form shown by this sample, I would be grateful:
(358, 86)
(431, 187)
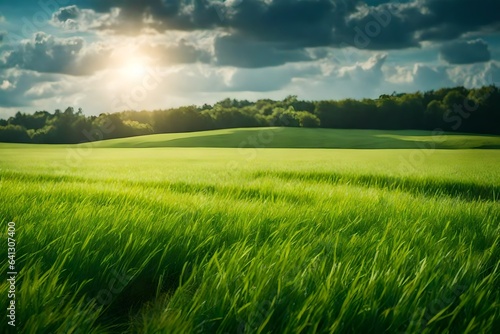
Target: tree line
(449, 109)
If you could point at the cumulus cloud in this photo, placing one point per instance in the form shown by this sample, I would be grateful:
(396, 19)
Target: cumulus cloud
(461, 52)
(475, 75)
(47, 54)
(373, 77)
(16, 84)
(425, 77)
(430, 77)
(6, 85)
(272, 79)
(74, 56)
(372, 67)
(75, 18)
(334, 81)
(363, 78)
(492, 74)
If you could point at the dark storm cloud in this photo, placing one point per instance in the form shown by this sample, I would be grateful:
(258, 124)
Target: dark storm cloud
(396, 25)
(161, 14)
(295, 22)
(236, 51)
(448, 19)
(299, 23)
(308, 23)
(261, 33)
(387, 26)
(462, 52)
(181, 52)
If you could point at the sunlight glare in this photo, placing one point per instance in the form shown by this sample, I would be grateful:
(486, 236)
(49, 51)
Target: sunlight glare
(134, 69)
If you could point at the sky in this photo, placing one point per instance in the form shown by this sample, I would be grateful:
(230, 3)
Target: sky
(110, 55)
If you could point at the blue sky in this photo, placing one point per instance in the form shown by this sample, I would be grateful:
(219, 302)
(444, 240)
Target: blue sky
(110, 55)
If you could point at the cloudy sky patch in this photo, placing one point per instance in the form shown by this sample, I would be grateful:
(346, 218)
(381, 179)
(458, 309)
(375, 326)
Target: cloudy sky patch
(108, 55)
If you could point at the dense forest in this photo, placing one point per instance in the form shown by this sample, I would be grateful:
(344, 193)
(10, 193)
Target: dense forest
(449, 109)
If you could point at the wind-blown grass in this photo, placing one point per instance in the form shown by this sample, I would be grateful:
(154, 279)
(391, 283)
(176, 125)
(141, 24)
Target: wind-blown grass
(174, 240)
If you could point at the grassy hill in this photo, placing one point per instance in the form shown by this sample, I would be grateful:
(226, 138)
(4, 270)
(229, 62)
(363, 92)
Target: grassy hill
(299, 138)
(308, 138)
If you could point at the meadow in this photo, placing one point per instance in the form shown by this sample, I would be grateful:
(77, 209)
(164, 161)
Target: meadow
(248, 231)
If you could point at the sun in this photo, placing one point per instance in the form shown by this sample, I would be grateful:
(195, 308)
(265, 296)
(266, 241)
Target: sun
(134, 69)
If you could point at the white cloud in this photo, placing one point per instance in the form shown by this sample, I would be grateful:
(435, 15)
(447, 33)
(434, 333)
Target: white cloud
(476, 75)
(74, 18)
(46, 89)
(17, 82)
(430, 77)
(47, 54)
(363, 79)
(270, 79)
(399, 74)
(6, 85)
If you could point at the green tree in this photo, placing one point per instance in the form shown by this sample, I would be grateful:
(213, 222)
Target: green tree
(14, 134)
(307, 120)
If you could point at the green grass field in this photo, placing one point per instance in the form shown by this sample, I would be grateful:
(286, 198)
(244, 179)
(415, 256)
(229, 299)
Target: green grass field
(200, 233)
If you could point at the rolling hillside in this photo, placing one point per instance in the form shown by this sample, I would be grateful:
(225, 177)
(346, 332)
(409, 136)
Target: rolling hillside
(307, 138)
(297, 138)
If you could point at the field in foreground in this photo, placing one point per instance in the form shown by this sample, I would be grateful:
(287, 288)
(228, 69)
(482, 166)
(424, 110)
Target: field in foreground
(213, 240)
